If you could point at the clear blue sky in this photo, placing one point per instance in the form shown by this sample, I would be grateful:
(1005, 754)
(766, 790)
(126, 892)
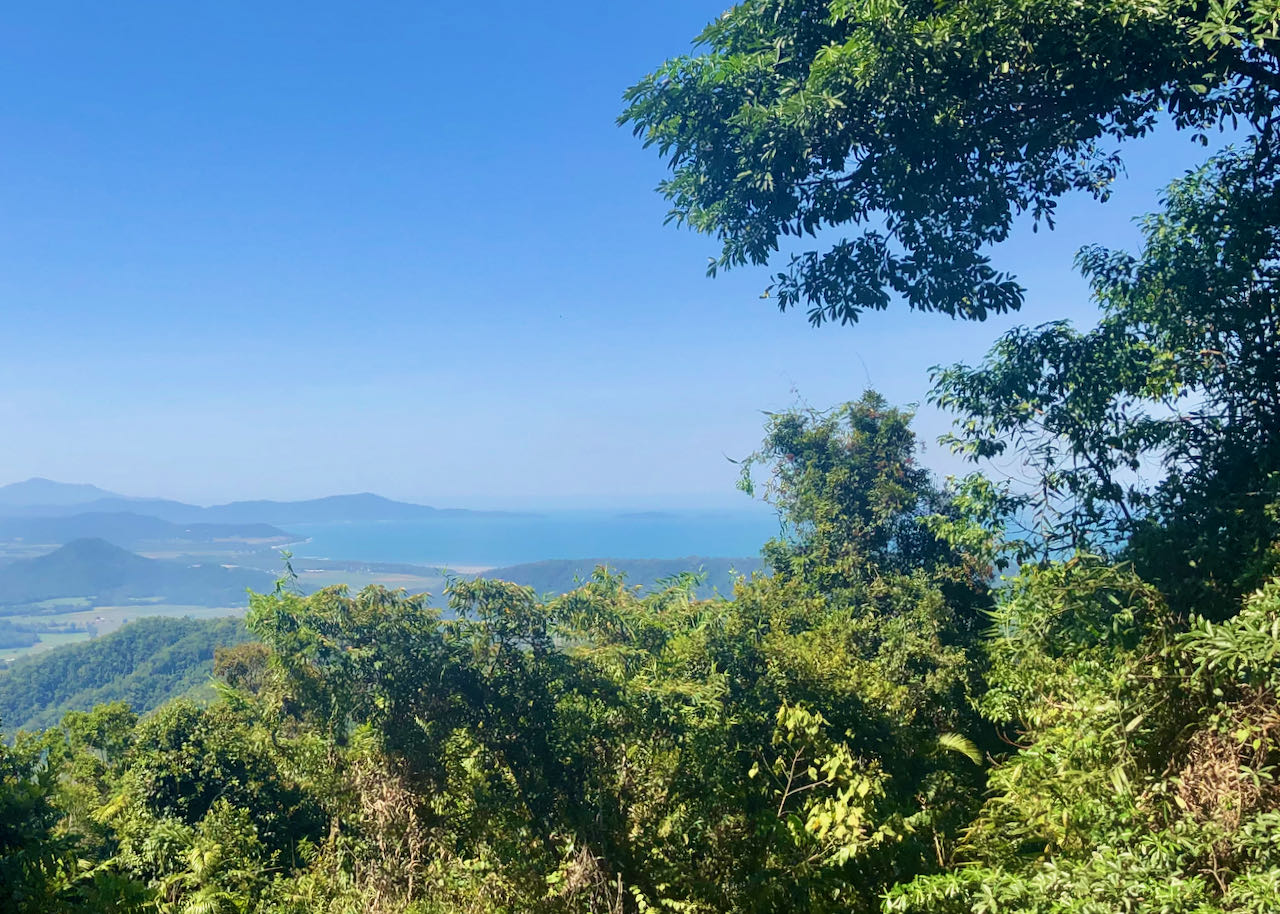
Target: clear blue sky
(291, 249)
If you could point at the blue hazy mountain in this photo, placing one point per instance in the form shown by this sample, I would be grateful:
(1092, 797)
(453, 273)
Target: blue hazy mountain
(334, 508)
(172, 511)
(130, 530)
(40, 491)
(107, 575)
(60, 501)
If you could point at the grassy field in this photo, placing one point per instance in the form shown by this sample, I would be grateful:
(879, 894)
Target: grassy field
(98, 620)
(48, 640)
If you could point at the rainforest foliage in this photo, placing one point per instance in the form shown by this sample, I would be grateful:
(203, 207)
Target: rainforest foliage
(144, 663)
(882, 722)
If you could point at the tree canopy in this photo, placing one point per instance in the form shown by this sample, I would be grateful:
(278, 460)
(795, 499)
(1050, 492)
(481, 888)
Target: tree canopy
(928, 129)
(1157, 429)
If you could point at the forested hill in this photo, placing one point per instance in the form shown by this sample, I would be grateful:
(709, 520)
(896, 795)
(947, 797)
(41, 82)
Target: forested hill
(557, 576)
(145, 663)
(105, 573)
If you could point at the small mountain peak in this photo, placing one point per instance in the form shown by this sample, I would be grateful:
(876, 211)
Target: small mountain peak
(93, 546)
(41, 491)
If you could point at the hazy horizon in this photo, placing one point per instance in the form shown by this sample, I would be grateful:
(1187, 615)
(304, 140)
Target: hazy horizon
(668, 501)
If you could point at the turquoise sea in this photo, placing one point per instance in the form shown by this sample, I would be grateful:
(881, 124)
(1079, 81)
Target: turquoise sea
(478, 540)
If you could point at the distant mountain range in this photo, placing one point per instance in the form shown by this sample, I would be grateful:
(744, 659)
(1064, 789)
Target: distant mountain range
(38, 491)
(131, 530)
(108, 575)
(97, 529)
(45, 498)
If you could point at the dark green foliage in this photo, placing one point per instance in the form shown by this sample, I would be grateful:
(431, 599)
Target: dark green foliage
(853, 497)
(31, 854)
(13, 636)
(185, 760)
(144, 664)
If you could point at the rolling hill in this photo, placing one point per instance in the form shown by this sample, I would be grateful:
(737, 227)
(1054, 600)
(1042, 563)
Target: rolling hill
(333, 508)
(145, 663)
(172, 511)
(107, 574)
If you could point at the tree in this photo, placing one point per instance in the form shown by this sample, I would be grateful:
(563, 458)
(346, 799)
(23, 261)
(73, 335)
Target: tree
(1144, 778)
(789, 750)
(1158, 430)
(187, 764)
(928, 128)
(34, 858)
(853, 497)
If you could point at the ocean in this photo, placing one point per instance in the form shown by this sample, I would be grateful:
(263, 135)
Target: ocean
(465, 542)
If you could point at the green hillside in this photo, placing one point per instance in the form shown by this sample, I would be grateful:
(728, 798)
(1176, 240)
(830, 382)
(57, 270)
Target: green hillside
(145, 663)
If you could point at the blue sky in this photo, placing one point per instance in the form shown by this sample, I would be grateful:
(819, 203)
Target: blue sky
(291, 249)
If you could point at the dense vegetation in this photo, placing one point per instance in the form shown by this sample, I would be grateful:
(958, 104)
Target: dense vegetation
(15, 636)
(144, 663)
(873, 726)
